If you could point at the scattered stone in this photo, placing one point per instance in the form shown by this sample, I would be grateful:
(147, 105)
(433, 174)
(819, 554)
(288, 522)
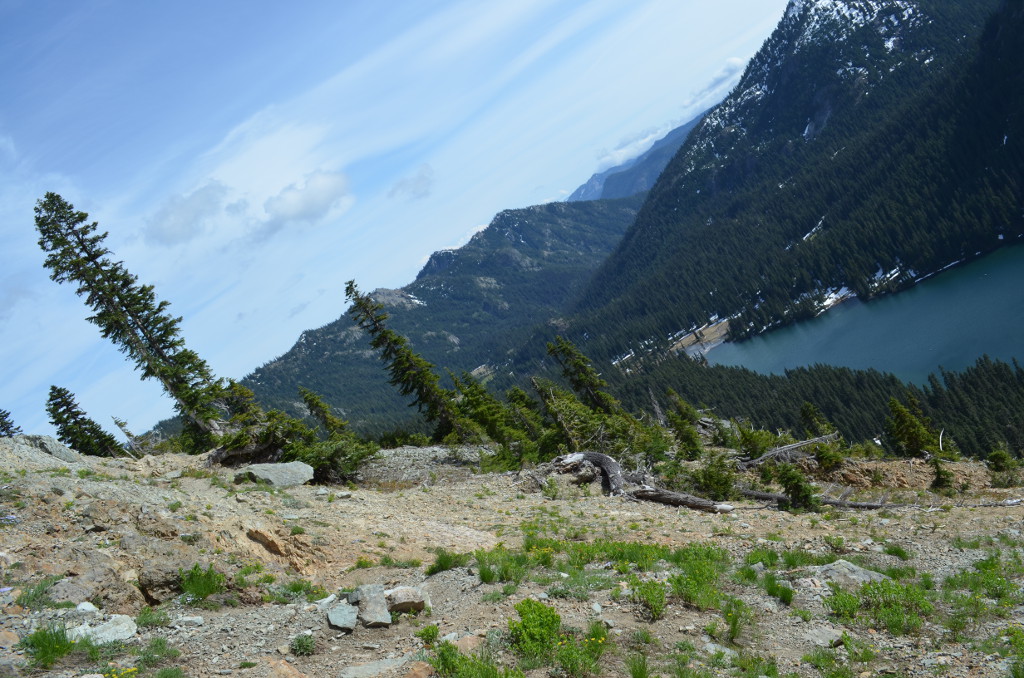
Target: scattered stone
(86, 606)
(344, 617)
(406, 599)
(8, 639)
(372, 669)
(823, 636)
(279, 668)
(119, 627)
(189, 622)
(160, 580)
(844, 573)
(714, 648)
(278, 475)
(419, 669)
(68, 591)
(467, 644)
(596, 607)
(373, 606)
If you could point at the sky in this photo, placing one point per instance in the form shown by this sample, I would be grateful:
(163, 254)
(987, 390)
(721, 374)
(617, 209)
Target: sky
(248, 157)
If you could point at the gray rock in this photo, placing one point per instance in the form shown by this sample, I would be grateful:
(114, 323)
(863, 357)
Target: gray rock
(279, 475)
(844, 573)
(344, 616)
(373, 606)
(68, 591)
(596, 607)
(189, 622)
(86, 606)
(159, 580)
(37, 447)
(823, 636)
(406, 599)
(327, 602)
(715, 648)
(373, 668)
(119, 627)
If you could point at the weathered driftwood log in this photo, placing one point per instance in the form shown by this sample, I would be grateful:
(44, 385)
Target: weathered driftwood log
(614, 482)
(611, 471)
(786, 453)
(678, 499)
(839, 503)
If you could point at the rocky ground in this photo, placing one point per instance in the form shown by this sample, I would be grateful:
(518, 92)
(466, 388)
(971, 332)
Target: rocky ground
(118, 533)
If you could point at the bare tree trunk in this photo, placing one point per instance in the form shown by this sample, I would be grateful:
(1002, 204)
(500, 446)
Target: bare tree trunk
(679, 499)
(786, 453)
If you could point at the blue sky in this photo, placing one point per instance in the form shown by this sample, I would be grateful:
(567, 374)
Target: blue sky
(248, 158)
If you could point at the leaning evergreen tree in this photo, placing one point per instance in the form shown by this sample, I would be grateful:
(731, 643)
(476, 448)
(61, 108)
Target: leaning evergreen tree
(126, 312)
(410, 372)
(75, 429)
(7, 427)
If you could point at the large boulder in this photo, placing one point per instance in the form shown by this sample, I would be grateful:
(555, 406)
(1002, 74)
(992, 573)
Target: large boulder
(279, 475)
(373, 605)
(118, 627)
(343, 616)
(38, 448)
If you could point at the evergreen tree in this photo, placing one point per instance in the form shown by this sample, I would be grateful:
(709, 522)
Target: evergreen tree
(907, 434)
(334, 452)
(410, 373)
(7, 427)
(584, 379)
(75, 429)
(126, 312)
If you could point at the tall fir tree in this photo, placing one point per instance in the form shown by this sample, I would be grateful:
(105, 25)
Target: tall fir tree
(75, 429)
(410, 372)
(126, 312)
(7, 427)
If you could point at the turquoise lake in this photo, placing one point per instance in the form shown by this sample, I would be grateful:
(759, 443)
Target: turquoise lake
(949, 320)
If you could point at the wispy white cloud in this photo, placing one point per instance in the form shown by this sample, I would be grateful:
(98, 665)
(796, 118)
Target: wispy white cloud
(415, 186)
(310, 201)
(184, 217)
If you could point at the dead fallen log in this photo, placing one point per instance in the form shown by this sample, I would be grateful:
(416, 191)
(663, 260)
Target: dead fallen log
(786, 453)
(678, 499)
(611, 471)
(838, 503)
(615, 482)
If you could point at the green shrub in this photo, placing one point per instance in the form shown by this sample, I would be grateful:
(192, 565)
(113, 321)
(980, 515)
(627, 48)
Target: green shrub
(651, 596)
(898, 551)
(446, 560)
(448, 662)
(799, 491)
(716, 478)
(773, 588)
(737, 617)
(152, 616)
(842, 604)
(535, 635)
(579, 657)
(48, 644)
(638, 666)
(899, 607)
(38, 596)
(760, 554)
(157, 651)
(303, 645)
(428, 634)
(199, 584)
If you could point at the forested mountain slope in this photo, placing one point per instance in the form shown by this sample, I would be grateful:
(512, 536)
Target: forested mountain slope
(869, 143)
(466, 307)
